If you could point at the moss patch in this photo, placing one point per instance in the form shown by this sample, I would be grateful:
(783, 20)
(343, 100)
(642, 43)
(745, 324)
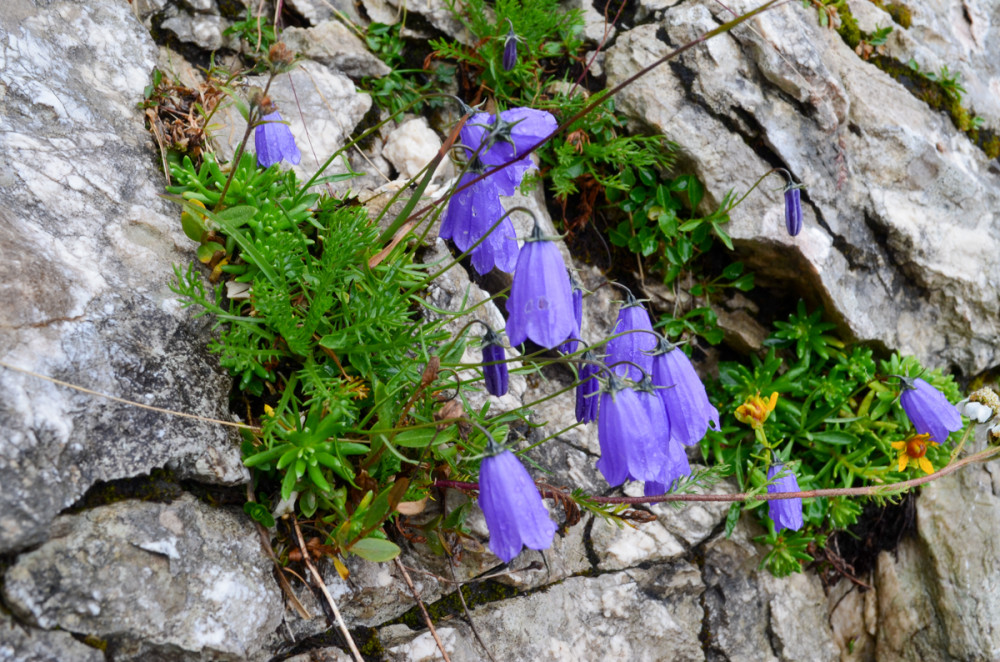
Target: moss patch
(450, 605)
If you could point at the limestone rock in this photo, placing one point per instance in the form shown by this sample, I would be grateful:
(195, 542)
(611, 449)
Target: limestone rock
(898, 217)
(411, 146)
(19, 643)
(182, 580)
(334, 44)
(318, 11)
(87, 257)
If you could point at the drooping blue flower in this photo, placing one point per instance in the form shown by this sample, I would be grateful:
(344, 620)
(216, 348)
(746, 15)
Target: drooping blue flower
(569, 346)
(540, 306)
(510, 49)
(685, 401)
(785, 513)
(793, 210)
(587, 389)
(676, 466)
(515, 514)
(928, 409)
(635, 346)
(274, 142)
(497, 141)
(471, 214)
(633, 432)
(494, 375)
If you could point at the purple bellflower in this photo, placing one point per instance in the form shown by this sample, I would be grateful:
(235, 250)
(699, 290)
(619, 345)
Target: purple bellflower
(471, 214)
(510, 49)
(685, 401)
(785, 513)
(633, 432)
(677, 466)
(515, 514)
(635, 346)
(928, 409)
(274, 142)
(569, 346)
(587, 390)
(793, 210)
(494, 375)
(498, 141)
(540, 305)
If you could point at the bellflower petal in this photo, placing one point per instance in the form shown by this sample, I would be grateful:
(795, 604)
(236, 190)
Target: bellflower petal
(512, 506)
(686, 401)
(793, 210)
(587, 391)
(517, 131)
(540, 306)
(928, 409)
(274, 142)
(633, 432)
(495, 376)
(634, 347)
(499, 249)
(569, 346)
(471, 213)
(676, 466)
(510, 50)
(785, 513)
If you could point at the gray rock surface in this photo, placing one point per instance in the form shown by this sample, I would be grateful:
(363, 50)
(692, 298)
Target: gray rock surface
(19, 643)
(179, 581)
(85, 264)
(337, 46)
(898, 215)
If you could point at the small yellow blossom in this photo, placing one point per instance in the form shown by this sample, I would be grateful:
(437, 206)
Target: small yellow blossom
(755, 410)
(914, 448)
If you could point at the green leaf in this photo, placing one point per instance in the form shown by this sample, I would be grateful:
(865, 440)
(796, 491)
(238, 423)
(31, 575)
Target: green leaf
(318, 479)
(259, 513)
(266, 456)
(835, 437)
(375, 549)
(237, 216)
(287, 485)
(420, 437)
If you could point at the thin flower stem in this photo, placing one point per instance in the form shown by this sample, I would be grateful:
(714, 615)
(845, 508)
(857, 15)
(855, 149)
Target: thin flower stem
(423, 609)
(871, 490)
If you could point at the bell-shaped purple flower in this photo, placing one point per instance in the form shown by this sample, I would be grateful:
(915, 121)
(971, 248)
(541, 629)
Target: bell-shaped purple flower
(471, 214)
(569, 346)
(685, 401)
(587, 390)
(633, 432)
(274, 142)
(515, 514)
(498, 141)
(510, 49)
(928, 409)
(676, 467)
(635, 346)
(793, 210)
(494, 375)
(540, 305)
(785, 513)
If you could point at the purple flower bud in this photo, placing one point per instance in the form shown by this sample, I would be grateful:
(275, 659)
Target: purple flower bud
(274, 142)
(634, 347)
(569, 346)
(928, 409)
(510, 50)
(540, 306)
(495, 375)
(785, 513)
(587, 389)
(515, 514)
(793, 210)
(686, 401)
(633, 432)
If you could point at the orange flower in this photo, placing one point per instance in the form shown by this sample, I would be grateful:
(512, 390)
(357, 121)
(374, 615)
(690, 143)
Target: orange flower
(755, 410)
(914, 448)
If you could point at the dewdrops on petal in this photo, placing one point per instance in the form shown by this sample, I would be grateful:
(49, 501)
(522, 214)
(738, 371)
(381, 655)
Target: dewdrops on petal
(540, 305)
(512, 506)
(498, 249)
(274, 142)
(676, 467)
(793, 209)
(928, 409)
(785, 513)
(914, 448)
(495, 376)
(755, 410)
(685, 399)
(634, 346)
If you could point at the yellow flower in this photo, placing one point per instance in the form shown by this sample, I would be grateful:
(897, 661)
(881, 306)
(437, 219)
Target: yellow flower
(914, 448)
(755, 410)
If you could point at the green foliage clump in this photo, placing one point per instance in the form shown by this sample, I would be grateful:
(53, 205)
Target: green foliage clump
(836, 418)
(402, 88)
